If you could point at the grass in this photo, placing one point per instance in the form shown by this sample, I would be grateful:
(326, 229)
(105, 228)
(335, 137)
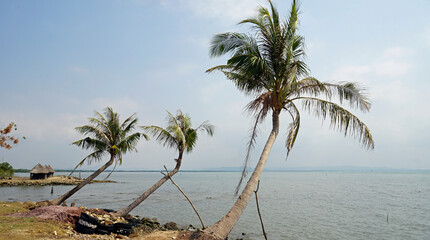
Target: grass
(17, 228)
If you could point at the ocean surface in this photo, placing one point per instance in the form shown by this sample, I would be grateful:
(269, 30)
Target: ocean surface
(294, 205)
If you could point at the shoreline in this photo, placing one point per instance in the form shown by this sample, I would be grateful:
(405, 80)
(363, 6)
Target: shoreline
(55, 180)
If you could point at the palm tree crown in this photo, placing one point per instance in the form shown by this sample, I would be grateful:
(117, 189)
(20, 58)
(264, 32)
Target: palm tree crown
(179, 133)
(269, 65)
(107, 135)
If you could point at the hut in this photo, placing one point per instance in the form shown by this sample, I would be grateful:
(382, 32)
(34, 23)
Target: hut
(41, 172)
(50, 170)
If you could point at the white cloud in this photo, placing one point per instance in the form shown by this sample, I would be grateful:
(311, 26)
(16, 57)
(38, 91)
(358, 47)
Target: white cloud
(390, 64)
(392, 68)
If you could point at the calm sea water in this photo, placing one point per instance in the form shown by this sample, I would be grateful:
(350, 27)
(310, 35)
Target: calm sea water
(294, 205)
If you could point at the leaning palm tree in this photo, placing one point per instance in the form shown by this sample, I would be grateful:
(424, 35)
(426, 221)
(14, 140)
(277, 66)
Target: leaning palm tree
(270, 66)
(106, 136)
(178, 134)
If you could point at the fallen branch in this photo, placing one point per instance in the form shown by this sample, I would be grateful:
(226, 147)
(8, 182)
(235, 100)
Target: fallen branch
(258, 209)
(192, 205)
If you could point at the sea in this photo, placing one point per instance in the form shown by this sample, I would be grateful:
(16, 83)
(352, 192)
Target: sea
(293, 205)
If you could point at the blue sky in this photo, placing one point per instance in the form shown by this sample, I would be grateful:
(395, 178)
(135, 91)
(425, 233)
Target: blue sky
(62, 60)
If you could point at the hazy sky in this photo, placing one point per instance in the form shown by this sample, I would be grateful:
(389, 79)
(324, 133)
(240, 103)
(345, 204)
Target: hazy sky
(62, 60)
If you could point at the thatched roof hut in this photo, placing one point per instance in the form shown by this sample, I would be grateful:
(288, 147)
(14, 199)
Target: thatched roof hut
(49, 168)
(41, 172)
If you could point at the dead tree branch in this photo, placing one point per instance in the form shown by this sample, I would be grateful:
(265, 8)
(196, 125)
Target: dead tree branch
(258, 209)
(192, 205)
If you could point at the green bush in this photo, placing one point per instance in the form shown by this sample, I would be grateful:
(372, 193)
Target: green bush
(6, 170)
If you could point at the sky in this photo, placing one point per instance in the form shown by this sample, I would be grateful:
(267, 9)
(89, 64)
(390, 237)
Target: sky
(62, 60)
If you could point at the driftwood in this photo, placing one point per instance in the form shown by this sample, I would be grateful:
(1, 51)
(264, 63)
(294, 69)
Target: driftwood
(258, 209)
(185, 195)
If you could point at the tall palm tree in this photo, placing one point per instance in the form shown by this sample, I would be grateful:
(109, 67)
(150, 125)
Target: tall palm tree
(270, 66)
(178, 134)
(105, 135)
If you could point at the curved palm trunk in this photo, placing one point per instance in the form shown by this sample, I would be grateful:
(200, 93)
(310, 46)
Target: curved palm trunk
(63, 198)
(223, 227)
(145, 195)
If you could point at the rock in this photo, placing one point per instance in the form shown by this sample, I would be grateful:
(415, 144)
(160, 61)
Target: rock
(191, 228)
(171, 226)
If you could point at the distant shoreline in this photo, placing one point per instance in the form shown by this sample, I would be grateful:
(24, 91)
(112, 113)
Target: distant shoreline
(56, 180)
(358, 170)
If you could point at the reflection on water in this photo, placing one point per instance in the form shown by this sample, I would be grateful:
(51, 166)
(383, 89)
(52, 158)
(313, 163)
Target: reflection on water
(294, 205)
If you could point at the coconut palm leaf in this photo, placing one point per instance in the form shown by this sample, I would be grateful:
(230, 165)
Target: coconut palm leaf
(94, 155)
(340, 119)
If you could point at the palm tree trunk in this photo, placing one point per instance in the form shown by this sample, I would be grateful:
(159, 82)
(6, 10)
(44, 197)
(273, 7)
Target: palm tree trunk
(223, 227)
(124, 211)
(63, 198)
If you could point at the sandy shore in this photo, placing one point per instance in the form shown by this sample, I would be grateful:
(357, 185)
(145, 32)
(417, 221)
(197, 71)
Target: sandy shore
(56, 180)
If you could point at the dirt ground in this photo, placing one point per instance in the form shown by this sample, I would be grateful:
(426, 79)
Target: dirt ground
(31, 227)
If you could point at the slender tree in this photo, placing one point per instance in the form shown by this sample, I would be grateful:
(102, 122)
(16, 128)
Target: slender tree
(270, 66)
(106, 135)
(178, 134)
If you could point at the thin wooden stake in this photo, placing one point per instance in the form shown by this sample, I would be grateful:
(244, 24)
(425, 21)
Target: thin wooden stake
(185, 195)
(258, 209)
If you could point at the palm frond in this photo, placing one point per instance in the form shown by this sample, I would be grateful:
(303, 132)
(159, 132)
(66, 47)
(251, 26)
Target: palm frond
(162, 136)
(352, 93)
(310, 87)
(95, 156)
(341, 119)
(93, 131)
(91, 143)
(129, 124)
(190, 139)
(225, 42)
(293, 127)
(259, 108)
(250, 146)
(207, 127)
(129, 143)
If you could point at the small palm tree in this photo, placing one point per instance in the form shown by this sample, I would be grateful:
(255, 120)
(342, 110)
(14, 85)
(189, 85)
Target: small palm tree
(106, 136)
(269, 65)
(178, 134)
